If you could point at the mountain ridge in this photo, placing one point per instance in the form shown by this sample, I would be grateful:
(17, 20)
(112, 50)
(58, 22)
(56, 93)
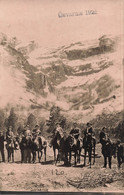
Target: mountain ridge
(89, 79)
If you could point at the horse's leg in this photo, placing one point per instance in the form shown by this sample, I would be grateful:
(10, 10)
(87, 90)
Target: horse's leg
(110, 160)
(105, 161)
(94, 154)
(66, 158)
(85, 153)
(35, 153)
(8, 154)
(90, 153)
(45, 154)
(33, 159)
(57, 157)
(25, 155)
(21, 156)
(38, 155)
(12, 152)
(34, 156)
(54, 150)
(29, 157)
(70, 157)
(75, 158)
(79, 154)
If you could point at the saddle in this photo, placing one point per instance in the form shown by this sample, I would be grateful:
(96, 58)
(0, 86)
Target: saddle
(75, 141)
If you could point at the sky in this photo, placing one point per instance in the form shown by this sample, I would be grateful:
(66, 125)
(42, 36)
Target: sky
(38, 20)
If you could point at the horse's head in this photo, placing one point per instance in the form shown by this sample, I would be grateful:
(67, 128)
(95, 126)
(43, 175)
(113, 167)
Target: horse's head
(59, 135)
(114, 149)
(70, 140)
(16, 144)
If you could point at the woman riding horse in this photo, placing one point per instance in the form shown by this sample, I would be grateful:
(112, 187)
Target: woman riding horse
(57, 142)
(10, 146)
(39, 144)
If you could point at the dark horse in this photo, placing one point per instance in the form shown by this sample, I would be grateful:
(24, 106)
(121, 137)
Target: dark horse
(89, 144)
(71, 144)
(57, 144)
(39, 144)
(25, 147)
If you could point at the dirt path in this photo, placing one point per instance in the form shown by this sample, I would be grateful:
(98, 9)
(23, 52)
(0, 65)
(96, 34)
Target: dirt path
(48, 177)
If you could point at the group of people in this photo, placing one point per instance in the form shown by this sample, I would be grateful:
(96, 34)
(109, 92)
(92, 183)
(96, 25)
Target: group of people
(22, 142)
(109, 148)
(27, 136)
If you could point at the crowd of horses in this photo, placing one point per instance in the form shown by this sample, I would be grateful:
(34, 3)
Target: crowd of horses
(63, 148)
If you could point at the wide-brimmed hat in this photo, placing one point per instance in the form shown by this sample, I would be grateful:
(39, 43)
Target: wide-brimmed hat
(104, 128)
(36, 125)
(10, 126)
(118, 141)
(89, 123)
(26, 126)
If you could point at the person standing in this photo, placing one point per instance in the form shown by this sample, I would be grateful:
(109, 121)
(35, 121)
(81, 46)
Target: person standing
(102, 135)
(2, 139)
(119, 148)
(106, 147)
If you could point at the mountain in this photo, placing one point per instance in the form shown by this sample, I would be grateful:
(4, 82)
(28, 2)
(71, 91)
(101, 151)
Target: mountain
(82, 78)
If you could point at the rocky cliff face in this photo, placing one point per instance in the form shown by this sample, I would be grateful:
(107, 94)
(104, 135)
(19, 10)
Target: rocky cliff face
(83, 78)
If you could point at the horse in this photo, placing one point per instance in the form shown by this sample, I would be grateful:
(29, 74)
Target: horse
(57, 144)
(11, 145)
(71, 144)
(39, 144)
(89, 145)
(25, 147)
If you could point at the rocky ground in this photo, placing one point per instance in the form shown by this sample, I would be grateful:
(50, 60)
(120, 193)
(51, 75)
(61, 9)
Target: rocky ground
(48, 177)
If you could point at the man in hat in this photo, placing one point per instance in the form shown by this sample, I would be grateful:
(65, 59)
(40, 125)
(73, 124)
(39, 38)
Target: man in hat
(2, 139)
(27, 131)
(102, 135)
(75, 131)
(36, 130)
(119, 147)
(59, 130)
(106, 147)
(88, 130)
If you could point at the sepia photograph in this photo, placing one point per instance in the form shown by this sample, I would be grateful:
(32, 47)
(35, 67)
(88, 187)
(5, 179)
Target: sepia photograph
(62, 96)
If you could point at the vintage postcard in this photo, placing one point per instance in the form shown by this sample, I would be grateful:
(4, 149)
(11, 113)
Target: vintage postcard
(61, 96)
